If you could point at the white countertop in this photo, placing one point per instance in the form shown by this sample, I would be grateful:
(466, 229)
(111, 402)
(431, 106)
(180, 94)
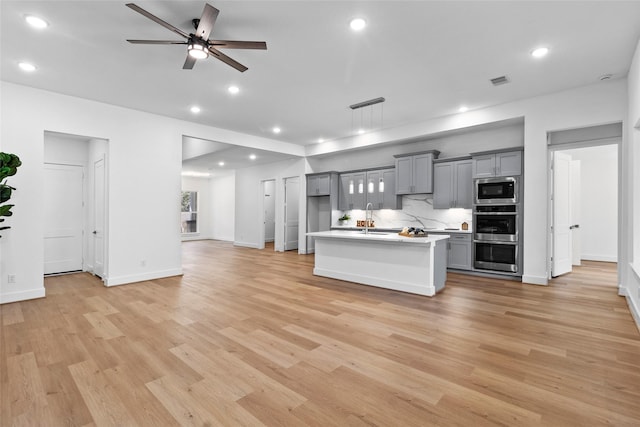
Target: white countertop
(377, 236)
(391, 230)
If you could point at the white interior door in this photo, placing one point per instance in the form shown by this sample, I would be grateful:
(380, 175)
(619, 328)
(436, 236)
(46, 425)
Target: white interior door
(63, 218)
(561, 217)
(269, 203)
(291, 213)
(576, 200)
(98, 217)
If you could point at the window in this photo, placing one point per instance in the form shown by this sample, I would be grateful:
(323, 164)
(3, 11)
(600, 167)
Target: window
(189, 212)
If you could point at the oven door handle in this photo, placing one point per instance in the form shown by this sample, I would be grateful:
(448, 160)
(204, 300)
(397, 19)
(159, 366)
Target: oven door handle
(496, 242)
(496, 213)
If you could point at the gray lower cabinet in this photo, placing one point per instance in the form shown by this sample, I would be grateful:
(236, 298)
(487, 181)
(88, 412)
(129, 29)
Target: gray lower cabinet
(452, 184)
(352, 191)
(459, 250)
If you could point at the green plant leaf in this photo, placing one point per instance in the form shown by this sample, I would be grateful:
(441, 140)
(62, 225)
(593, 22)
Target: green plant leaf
(5, 210)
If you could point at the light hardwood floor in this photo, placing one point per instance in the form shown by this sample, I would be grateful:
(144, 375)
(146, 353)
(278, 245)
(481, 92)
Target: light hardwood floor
(251, 337)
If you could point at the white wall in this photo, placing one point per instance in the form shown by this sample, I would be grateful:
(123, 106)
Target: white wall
(249, 229)
(599, 202)
(143, 169)
(223, 199)
(459, 144)
(629, 264)
(205, 205)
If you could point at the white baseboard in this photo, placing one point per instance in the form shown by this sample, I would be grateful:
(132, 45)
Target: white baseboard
(535, 280)
(603, 258)
(246, 244)
(634, 309)
(22, 295)
(124, 280)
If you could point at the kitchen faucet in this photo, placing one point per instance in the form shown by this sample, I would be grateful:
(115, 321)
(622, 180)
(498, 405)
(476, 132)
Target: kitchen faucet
(368, 216)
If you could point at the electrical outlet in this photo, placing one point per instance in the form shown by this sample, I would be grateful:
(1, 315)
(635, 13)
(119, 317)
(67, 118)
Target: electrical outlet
(143, 263)
(11, 278)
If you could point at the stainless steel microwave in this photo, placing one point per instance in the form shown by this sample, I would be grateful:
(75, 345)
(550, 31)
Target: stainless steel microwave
(500, 190)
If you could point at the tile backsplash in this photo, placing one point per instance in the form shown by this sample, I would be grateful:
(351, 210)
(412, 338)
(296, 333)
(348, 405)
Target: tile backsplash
(417, 211)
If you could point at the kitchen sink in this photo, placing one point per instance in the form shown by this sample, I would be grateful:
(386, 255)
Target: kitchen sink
(378, 233)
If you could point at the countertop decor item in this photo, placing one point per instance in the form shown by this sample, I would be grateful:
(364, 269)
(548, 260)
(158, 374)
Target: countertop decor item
(413, 232)
(465, 226)
(9, 164)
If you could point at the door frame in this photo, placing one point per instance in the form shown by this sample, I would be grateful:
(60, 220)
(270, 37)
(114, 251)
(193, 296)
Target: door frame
(105, 246)
(569, 146)
(261, 216)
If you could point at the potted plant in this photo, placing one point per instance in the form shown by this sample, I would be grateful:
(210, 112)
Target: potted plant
(344, 218)
(9, 164)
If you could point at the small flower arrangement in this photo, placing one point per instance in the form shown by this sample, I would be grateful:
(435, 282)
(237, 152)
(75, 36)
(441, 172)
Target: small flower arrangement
(344, 217)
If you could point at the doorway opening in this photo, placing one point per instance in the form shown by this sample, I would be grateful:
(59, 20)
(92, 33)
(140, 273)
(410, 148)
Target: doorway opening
(75, 204)
(584, 200)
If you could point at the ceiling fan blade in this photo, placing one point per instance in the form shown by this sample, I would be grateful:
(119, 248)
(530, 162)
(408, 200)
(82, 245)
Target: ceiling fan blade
(233, 44)
(207, 21)
(157, 20)
(224, 58)
(189, 62)
(156, 42)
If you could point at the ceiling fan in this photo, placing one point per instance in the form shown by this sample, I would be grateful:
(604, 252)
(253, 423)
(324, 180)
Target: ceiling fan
(199, 46)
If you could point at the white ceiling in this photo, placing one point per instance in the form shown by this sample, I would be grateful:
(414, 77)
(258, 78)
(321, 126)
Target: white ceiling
(427, 58)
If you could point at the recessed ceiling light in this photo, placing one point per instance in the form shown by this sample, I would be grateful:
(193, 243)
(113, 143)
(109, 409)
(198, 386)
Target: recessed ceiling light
(195, 109)
(220, 163)
(36, 22)
(360, 131)
(463, 109)
(252, 156)
(357, 24)
(196, 174)
(233, 89)
(539, 52)
(276, 129)
(25, 66)
(320, 140)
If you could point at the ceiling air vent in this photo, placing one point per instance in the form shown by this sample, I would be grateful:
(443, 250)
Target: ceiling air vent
(497, 81)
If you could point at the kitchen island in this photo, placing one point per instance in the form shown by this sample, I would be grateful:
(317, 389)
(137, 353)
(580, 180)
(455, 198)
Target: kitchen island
(387, 260)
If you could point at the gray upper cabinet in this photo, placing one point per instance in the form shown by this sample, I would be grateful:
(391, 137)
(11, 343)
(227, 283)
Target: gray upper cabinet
(377, 186)
(507, 163)
(381, 189)
(452, 184)
(319, 185)
(352, 191)
(414, 172)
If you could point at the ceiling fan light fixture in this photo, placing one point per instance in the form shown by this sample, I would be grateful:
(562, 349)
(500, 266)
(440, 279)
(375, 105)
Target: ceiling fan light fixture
(197, 49)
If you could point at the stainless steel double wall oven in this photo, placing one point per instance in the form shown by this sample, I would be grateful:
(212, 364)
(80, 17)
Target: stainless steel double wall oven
(497, 221)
